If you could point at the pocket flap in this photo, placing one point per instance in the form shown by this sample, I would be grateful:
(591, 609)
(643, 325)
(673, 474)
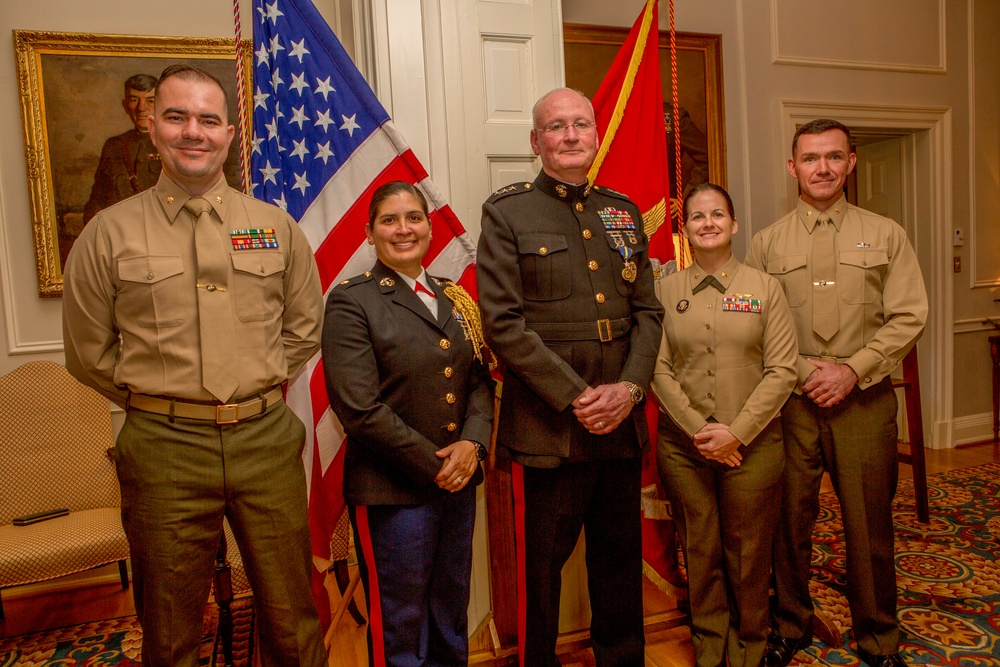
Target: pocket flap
(537, 243)
(865, 259)
(258, 263)
(150, 268)
(786, 264)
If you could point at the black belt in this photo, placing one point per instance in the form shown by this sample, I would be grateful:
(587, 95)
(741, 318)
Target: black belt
(220, 413)
(602, 330)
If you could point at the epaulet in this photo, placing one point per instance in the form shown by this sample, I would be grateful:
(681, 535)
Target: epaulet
(516, 188)
(356, 280)
(611, 193)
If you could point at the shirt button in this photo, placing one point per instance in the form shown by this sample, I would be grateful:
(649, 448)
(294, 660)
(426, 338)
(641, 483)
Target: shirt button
(448, 371)
(710, 373)
(149, 276)
(708, 326)
(592, 265)
(449, 398)
(710, 395)
(452, 427)
(709, 350)
(587, 234)
(709, 305)
(599, 297)
(444, 343)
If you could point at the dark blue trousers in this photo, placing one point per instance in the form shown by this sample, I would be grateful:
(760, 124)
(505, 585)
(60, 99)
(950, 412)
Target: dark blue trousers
(416, 565)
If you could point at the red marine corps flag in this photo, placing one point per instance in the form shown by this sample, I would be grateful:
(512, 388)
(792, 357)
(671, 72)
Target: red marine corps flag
(633, 159)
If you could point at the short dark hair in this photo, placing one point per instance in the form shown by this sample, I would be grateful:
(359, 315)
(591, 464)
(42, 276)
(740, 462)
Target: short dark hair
(819, 126)
(192, 72)
(709, 187)
(389, 189)
(140, 82)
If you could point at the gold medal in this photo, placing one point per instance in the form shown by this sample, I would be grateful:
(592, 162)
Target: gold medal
(629, 271)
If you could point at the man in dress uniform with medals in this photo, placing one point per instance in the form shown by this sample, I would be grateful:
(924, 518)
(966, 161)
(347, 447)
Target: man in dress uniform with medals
(858, 302)
(566, 292)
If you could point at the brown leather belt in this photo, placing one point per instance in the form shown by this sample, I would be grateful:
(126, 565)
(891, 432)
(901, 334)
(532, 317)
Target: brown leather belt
(222, 413)
(602, 330)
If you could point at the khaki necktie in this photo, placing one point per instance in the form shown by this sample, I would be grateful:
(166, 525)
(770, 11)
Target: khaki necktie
(826, 312)
(215, 314)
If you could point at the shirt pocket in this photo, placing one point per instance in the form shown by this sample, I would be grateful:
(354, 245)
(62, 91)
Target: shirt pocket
(862, 274)
(258, 283)
(151, 291)
(795, 278)
(544, 263)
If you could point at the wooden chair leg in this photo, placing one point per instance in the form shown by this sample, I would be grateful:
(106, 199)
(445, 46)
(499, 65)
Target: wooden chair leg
(223, 597)
(123, 573)
(2, 617)
(824, 628)
(342, 575)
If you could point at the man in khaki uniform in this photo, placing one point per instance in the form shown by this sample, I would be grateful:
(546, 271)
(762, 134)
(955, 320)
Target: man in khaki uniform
(190, 305)
(858, 300)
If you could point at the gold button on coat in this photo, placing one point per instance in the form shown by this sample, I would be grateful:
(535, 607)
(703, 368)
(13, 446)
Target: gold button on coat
(452, 427)
(448, 371)
(445, 343)
(587, 234)
(579, 207)
(543, 251)
(449, 398)
(599, 297)
(592, 265)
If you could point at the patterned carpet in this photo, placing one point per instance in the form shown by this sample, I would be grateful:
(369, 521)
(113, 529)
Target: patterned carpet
(117, 642)
(948, 573)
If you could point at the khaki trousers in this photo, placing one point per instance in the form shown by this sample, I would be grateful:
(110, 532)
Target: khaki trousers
(855, 441)
(178, 479)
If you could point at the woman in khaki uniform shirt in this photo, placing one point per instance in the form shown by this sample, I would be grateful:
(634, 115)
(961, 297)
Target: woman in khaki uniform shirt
(725, 367)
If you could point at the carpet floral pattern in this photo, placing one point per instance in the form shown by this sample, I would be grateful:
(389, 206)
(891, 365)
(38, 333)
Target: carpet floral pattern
(947, 573)
(117, 642)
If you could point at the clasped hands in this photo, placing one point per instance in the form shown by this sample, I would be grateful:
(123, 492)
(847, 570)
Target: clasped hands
(830, 383)
(460, 463)
(602, 408)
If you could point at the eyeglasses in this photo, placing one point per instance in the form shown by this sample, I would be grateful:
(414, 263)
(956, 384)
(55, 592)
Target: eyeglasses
(581, 127)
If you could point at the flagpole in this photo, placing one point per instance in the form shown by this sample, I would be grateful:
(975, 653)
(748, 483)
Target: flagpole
(682, 247)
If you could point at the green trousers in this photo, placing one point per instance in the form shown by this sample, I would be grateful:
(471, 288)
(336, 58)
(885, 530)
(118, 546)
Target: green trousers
(178, 479)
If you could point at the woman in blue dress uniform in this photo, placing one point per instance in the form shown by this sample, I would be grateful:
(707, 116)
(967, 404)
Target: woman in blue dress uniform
(407, 375)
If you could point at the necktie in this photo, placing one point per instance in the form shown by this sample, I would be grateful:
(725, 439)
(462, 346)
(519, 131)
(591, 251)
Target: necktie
(428, 297)
(707, 281)
(826, 311)
(215, 314)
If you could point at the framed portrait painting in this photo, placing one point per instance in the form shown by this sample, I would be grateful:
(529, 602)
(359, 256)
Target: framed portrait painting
(84, 100)
(589, 52)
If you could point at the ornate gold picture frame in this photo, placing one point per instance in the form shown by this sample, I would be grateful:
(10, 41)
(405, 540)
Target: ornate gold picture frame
(71, 95)
(590, 50)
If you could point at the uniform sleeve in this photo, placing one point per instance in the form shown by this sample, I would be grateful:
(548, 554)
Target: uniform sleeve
(102, 192)
(302, 319)
(501, 302)
(478, 425)
(780, 355)
(904, 307)
(90, 335)
(668, 390)
(352, 386)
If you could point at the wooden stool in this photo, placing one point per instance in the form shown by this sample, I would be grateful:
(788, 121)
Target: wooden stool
(914, 453)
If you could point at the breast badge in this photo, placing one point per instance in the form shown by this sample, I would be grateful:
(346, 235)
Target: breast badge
(741, 303)
(683, 305)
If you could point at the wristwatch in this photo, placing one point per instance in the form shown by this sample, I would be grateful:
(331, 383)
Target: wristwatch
(635, 391)
(481, 451)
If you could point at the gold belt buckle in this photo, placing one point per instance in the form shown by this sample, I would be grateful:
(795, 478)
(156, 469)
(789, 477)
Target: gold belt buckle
(829, 360)
(227, 414)
(604, 330)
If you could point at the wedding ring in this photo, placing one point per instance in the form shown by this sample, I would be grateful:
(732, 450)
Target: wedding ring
(459, 480)
(600, 425)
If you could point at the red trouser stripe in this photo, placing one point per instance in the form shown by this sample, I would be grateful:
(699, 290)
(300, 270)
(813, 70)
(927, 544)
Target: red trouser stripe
(375, 626)
(517, 484)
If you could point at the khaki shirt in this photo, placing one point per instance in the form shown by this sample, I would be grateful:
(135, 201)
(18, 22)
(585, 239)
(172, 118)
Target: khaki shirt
(883, 303)
(130, 310)
(727, 356)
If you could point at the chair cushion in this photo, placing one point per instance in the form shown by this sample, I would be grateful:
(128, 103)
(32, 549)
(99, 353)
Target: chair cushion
(79, 541)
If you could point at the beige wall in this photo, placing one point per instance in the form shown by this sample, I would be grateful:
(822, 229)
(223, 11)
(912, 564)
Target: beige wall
(945, 75)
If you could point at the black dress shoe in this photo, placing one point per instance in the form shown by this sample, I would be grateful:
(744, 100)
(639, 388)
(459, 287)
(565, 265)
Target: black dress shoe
(890, 660)
(781, 650)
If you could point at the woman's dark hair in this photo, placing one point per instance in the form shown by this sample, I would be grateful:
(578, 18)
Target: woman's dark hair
(709, 187)
(389, 189)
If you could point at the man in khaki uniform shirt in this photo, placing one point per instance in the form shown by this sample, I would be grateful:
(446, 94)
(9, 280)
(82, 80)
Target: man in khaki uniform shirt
(858, 300)
(191, 304)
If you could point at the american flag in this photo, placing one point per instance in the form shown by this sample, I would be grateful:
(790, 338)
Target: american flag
(322, 143)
